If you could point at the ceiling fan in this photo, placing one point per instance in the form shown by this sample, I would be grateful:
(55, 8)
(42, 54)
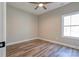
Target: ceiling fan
(40, 4)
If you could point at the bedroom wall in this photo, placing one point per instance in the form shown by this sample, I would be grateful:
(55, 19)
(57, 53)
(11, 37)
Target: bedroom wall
(20, 25)
(50, 24)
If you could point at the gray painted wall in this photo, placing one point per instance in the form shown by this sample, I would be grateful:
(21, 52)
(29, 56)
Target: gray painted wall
(50, 24)
(20, 25)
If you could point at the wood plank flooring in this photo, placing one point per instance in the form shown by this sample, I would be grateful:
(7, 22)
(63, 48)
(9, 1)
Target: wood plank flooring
(40, 48)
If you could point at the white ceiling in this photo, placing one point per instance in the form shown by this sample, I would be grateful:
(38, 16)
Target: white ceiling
(25, 6)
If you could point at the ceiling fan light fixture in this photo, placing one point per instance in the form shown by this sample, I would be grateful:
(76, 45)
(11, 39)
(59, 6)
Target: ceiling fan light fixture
(41, 5)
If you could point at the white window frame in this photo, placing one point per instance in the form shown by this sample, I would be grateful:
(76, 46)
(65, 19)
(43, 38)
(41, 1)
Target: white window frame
(62, 25)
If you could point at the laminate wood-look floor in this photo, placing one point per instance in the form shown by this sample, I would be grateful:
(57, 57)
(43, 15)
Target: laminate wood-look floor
(40, 48)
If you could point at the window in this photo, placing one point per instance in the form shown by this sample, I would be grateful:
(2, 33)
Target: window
(71, 25)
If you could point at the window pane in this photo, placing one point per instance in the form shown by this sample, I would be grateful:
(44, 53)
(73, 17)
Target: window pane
(75, 31)
(67, 20)
(75, 19)
(66, 31)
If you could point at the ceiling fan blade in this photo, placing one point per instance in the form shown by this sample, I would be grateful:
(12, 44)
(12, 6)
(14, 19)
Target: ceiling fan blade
(44, 7)
(34, 2)
(36, 7)
(46, 2)
(40, 2)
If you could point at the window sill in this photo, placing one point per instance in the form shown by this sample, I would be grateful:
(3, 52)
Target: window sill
(68, 37)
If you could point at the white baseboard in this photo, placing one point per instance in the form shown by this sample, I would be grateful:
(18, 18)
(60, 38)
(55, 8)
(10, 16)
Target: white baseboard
(21, 41)
(60, 43)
